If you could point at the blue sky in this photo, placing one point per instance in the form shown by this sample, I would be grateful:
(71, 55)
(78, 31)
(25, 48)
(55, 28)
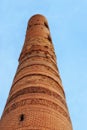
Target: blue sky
(68, 26)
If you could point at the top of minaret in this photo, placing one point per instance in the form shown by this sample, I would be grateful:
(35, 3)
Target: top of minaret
(37, 19)
(38, 27)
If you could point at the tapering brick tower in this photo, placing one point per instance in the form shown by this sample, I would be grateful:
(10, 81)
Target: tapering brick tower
(36, 100)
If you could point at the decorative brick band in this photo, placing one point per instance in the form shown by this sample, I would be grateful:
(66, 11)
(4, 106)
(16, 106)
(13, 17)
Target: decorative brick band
(40, 90)
(38, 53)
(37, 41)
(37, 56)
(42, 65)
(53, 80)
(30, 48)
(38, 101)
(37, 69)
(38, 60)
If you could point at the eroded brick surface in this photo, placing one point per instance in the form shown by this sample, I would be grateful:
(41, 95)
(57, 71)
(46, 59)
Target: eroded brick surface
(36, 100)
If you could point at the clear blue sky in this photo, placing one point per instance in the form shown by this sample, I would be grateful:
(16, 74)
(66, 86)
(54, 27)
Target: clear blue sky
(68, 25)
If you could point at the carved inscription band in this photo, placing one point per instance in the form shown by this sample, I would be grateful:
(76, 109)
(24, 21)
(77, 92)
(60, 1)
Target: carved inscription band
(38, 101)
(33, 89)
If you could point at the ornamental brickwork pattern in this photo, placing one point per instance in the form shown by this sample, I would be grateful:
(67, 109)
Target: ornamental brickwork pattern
(36, 100)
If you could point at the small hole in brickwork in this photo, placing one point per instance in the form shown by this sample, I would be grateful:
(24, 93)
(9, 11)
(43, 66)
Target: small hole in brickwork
(21, 117)
(46, 46)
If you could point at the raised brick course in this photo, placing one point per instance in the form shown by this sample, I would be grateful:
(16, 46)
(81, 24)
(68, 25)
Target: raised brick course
(36, 100)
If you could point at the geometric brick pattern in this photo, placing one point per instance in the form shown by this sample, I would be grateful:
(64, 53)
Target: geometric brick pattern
(36, 100)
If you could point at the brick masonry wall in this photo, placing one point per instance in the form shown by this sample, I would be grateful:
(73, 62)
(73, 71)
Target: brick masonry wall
(36, 100)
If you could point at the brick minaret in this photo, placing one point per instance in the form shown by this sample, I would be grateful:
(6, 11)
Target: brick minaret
(36, 100)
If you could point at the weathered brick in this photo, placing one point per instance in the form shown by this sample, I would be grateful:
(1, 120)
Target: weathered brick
(36, 100)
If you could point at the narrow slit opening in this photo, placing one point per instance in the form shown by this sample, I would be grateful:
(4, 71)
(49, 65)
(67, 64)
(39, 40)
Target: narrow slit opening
(21, 117)
(46, 25)
(49, 38)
